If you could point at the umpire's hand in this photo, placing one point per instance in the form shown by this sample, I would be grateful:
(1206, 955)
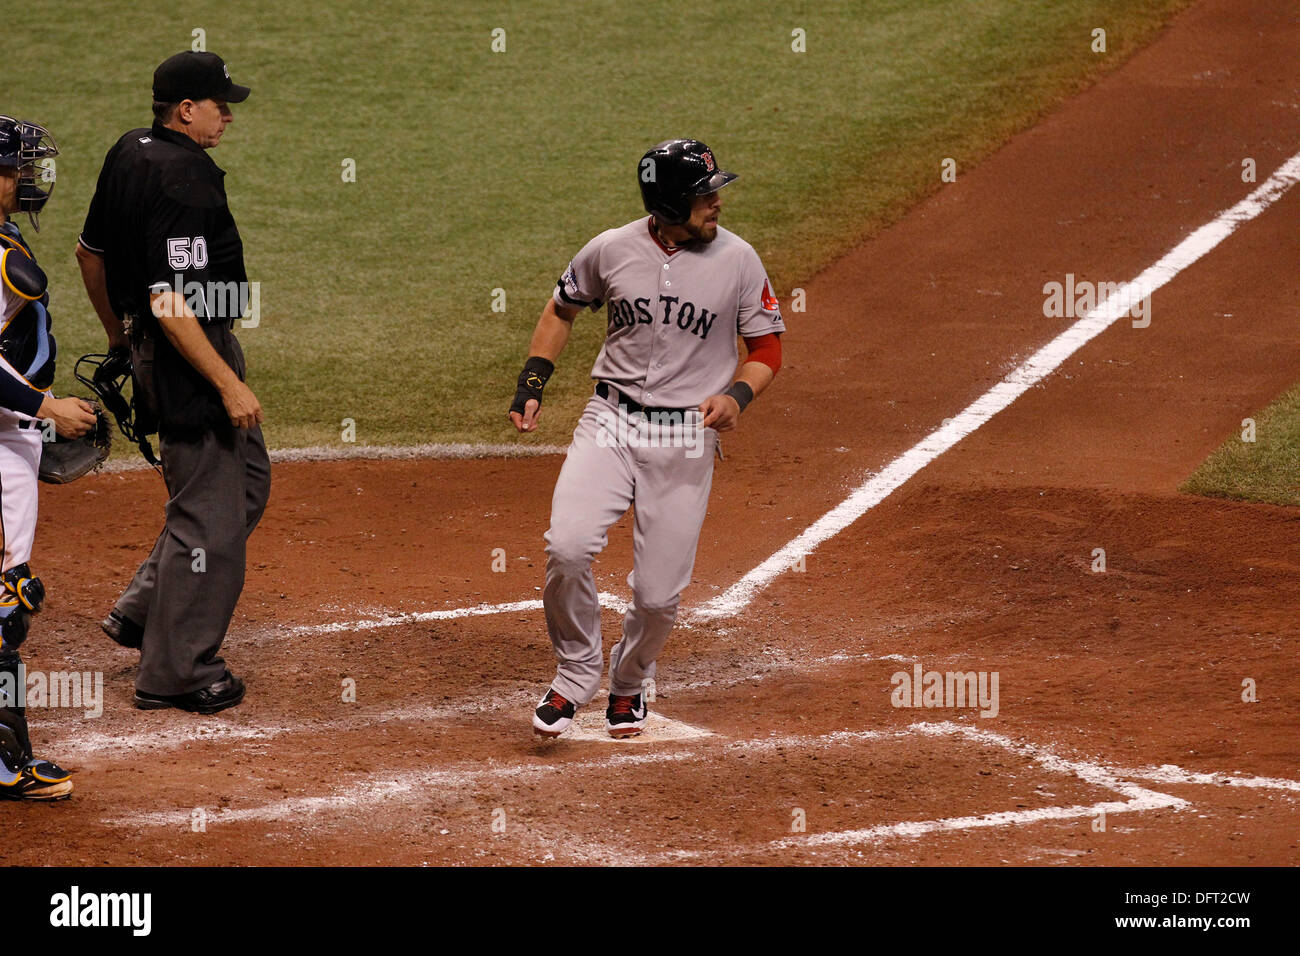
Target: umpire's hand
(242, 405)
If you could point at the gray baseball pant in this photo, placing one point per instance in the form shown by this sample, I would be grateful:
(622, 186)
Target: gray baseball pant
(613, 464)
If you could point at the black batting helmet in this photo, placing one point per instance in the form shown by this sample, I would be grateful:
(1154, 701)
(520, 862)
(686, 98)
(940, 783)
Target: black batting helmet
(29, 148)
(673, 172)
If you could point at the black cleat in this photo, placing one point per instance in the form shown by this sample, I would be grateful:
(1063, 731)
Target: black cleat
(625, 716)
(554, 715)
(38, 780)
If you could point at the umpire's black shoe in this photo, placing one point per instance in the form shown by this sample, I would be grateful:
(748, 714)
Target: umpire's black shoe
(220, 694)
(123, 630)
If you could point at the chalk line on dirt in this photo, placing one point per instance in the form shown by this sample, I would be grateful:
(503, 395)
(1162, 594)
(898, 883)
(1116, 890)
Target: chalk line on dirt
(1028, 374)
(898, 472)
(417, 785)
(351, 452)
(607, 600)
(74, 740)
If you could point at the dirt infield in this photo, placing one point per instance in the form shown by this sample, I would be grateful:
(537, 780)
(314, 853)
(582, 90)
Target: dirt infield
(1120, 691)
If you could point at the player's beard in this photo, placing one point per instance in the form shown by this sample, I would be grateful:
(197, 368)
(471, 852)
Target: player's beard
(701, 235)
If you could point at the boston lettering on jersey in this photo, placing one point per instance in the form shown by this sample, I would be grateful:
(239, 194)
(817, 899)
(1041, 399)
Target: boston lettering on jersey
(670, 310)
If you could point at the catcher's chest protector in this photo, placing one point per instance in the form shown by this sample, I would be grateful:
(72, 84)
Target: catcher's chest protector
(26, 340)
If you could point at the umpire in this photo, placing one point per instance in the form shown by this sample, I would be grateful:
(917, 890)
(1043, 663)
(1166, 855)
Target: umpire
(160, 256)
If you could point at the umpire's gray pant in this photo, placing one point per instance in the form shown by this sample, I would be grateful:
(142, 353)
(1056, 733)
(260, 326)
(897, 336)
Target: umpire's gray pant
(185, 592)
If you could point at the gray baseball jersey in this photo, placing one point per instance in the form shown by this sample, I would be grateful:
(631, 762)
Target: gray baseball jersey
(673, 317)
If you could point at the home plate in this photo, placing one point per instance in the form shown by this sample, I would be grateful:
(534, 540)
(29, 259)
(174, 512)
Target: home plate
(589, 726)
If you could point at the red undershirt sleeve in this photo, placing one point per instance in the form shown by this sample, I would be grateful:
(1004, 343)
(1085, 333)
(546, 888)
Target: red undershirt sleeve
(765, 349)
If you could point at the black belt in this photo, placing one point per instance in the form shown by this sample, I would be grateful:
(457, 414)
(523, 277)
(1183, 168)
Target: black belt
(611, 394)
(137, 331)
(30, 422)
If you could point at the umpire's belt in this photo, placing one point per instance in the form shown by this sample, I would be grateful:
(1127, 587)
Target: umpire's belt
(138, 330)
(611, 394)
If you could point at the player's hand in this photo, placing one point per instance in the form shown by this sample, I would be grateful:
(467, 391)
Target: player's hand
(72, 417)
(527, 422)
(721, 412)
(242, 405)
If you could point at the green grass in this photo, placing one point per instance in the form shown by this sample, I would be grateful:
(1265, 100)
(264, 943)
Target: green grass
(478, 170)
(1267, 469)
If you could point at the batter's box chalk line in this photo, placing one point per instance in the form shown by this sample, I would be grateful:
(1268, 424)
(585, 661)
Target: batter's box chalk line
(611, 601)
(412, 785)
(1136, 798)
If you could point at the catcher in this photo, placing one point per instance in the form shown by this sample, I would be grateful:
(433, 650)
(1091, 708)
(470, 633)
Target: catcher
(28, 412)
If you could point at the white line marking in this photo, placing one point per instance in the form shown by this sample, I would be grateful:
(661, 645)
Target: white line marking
(1169, 773)
(76, 743)
(611, 601)
(1036, 368)
(416, 785)
(454, 450)
(873, 491)
(413, 786)
(73, 740)
(1138, 798)
(913, 829)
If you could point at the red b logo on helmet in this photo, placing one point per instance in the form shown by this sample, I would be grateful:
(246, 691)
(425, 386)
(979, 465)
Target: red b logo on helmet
(707, 156)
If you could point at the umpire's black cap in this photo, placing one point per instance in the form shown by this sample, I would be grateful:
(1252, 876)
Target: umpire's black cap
(195, 76)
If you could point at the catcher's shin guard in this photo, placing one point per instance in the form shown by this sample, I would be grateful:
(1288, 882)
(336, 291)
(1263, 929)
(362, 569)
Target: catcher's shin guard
(14, 618)
(28, 589)
(15, 747)
(22, 776)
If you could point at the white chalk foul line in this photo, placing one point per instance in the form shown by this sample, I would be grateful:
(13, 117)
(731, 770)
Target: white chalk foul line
(899, 471)
(1036, 368)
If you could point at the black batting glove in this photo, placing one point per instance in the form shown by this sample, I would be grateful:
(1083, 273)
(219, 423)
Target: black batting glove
(532, 380)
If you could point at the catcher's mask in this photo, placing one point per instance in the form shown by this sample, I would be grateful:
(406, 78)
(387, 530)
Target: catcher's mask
(106, 375)
(29, 148)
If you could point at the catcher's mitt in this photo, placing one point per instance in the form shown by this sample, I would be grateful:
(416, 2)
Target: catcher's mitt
(67, 459)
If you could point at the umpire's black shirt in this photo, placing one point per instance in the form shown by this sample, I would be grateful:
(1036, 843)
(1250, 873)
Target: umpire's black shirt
(161, 222)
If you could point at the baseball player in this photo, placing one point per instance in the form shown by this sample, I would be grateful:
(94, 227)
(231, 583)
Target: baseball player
(27, 352)
(160, 249)
(677, 289)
